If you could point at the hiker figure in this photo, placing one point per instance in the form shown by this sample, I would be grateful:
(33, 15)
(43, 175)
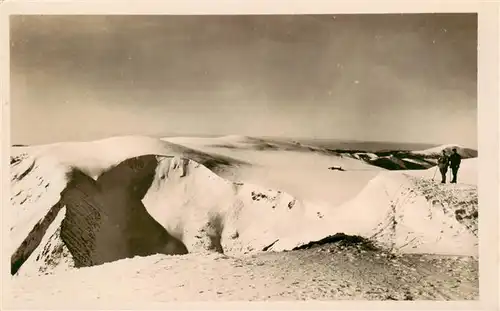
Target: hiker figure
(455, 160)
(443, 161)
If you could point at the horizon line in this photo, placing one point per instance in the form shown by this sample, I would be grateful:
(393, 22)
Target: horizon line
(172, 135)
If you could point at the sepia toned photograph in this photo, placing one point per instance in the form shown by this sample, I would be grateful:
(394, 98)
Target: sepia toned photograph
(223, 158)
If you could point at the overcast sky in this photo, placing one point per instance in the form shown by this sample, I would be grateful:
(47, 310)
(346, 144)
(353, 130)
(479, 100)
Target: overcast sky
(408, 78)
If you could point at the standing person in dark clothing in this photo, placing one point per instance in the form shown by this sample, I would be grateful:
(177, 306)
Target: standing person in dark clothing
(443, 161)
(455, 160)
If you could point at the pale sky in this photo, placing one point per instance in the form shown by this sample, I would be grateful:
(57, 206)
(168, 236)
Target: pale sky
(398, 78)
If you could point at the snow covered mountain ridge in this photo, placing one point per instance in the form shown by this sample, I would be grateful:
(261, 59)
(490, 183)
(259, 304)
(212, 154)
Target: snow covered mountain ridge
(84, 204)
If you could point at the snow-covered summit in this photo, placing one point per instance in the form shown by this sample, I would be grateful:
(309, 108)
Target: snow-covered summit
(463, 151)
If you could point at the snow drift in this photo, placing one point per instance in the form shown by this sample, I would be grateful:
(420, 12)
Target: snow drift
(76, 205)
(39, 174)
(106, 220)
(209, 213)
(394, 211)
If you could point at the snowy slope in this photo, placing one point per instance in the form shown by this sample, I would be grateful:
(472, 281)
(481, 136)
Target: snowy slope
(246, 143)
(36, 184)
(52, 255)
(209, 213)
(39, 175)
(467, 174)
(293, 170)
(393, 212)
(435, 151)
(95, 156)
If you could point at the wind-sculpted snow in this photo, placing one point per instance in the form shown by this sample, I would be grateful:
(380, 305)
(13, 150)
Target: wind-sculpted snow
(94, 157)
(39, 175)
(404, 214)
(83, 205)
(106, 220)
(210, 213)
(36, 184)
(33, 239)
(52, 254)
